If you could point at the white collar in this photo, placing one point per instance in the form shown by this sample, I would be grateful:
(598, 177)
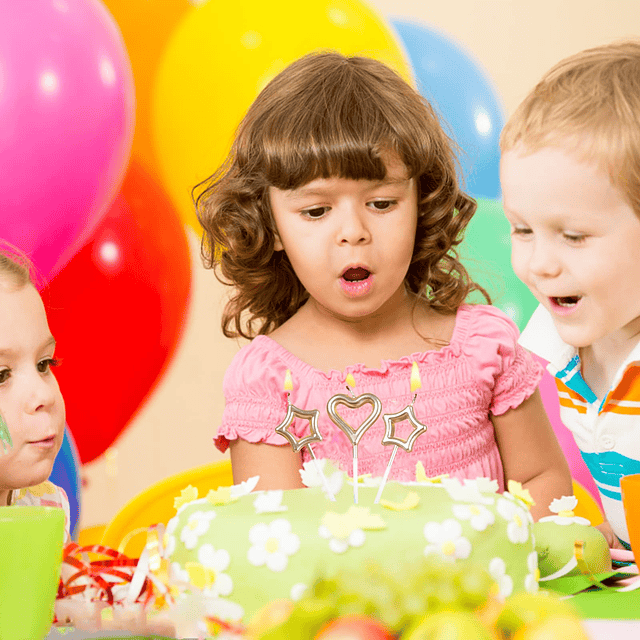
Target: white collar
(541, 337)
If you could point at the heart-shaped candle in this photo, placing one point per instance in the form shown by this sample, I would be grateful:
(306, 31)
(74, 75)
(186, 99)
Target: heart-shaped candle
(354, 435)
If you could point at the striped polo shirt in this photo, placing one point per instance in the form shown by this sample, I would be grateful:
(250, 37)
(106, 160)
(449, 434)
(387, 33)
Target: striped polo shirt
(606, 430)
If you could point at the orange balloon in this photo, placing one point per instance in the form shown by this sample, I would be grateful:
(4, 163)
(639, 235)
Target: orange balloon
(146, 26)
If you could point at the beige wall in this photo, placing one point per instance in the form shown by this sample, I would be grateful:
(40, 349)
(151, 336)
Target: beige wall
(516, 40)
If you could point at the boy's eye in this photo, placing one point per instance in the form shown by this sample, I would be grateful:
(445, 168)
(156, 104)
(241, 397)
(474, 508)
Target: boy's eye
(315, 212)
(520, 231)
(46, 364)
(574, 238)
(4, 375)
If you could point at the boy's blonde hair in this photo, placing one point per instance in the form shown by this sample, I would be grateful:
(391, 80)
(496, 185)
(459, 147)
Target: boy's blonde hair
(588, 103)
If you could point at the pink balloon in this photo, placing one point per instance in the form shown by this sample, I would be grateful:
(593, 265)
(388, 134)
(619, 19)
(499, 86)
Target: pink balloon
(578, 468)
(66, 124)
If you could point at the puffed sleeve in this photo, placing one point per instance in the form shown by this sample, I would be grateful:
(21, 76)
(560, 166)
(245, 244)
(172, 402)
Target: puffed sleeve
(508, 369)
(255, 401)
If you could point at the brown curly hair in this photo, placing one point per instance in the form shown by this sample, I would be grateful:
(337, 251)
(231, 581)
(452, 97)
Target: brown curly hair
(327, 115)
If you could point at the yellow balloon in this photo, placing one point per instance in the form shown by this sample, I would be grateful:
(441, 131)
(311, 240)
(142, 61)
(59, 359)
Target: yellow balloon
(223, 53)
(146, 26)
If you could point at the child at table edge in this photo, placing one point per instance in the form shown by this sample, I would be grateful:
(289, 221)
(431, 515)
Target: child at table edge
(570, 175)
(30, 399)
(339, 212)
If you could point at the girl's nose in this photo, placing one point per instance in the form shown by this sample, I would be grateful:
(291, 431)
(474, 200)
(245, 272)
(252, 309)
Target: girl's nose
(353, 228)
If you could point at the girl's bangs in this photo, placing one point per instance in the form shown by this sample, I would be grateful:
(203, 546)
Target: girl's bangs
(299, 162)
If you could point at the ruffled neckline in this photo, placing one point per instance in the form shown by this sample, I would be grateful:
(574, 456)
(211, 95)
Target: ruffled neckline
(458, 337)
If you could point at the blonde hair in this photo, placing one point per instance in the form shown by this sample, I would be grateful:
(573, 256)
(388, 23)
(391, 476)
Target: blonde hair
(15, 267)
(589, 103)
(329, 115)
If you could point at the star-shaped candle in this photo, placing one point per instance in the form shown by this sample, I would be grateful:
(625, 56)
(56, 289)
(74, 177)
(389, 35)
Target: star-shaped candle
(298, 443)
(390, 420)
(354, 435)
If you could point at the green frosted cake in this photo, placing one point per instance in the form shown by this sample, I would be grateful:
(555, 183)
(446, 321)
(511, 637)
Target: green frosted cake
(251, 548)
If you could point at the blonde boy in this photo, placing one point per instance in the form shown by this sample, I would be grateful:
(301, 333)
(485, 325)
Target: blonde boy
(570, 175)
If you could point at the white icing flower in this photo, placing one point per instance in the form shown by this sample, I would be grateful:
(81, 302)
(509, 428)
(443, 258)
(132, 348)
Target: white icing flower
(244, 488)
(217, 561)
(465, 493)
(517, 517)
(197, 524)
(356, 538)
(169, 544)
(171, 526)
(297, 591)
(498, 571)
(178, 574)
(479, 517)
(486, 485)
(269, 502)
(272, 544)
(224, 609)
(531, 581)
(446, 540)
(311, 478)
(564, 507)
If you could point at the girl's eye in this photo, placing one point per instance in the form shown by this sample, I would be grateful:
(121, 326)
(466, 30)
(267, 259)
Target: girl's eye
(5, 374)
(46, 364)
(383, 205)
(315, 212)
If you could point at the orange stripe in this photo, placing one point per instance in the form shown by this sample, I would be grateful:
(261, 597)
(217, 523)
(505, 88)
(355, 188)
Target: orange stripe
(614, 408)
(629, 387)
(563, 387)
(566, 402)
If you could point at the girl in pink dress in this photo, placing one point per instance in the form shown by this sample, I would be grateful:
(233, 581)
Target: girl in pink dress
(30, 400)
(335, 219)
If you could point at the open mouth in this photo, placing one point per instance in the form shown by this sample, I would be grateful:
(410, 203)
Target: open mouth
(356, 281)
(356, 274)
(566, 301)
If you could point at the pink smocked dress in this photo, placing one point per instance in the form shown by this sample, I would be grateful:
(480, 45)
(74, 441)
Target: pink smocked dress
(482, 371)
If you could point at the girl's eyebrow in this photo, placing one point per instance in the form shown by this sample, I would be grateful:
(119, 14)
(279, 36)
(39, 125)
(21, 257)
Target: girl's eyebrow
(306, 192)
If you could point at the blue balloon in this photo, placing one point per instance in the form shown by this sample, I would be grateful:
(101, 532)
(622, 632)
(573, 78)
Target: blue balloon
(463, 95)
(65, 474)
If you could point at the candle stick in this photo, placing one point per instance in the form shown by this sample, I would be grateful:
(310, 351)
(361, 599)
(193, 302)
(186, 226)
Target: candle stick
(390, 421)
(298, 443)
(354, 435)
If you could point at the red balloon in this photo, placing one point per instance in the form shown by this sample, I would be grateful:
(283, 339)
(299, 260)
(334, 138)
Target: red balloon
(117, 311)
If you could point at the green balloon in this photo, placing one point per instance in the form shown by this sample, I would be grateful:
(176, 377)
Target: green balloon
(486, 254)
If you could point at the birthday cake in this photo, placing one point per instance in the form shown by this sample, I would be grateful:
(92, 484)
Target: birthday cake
(251, 548)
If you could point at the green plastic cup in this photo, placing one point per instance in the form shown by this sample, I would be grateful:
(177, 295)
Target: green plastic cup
(31, 542)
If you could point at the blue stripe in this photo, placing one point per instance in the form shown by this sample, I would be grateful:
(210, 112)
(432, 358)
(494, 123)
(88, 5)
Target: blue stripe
(607, 468)
(572, 377)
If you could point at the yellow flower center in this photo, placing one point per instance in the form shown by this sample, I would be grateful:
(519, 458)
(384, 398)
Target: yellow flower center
(536, 575)
(474, 510)
(566, 514)
(448, 548)
(272, 545)
(518, 520)
(193, 524)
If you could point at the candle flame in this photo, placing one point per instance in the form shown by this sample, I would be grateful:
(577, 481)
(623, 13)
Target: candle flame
(350, 381)
(416, 383)
(288, 382)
